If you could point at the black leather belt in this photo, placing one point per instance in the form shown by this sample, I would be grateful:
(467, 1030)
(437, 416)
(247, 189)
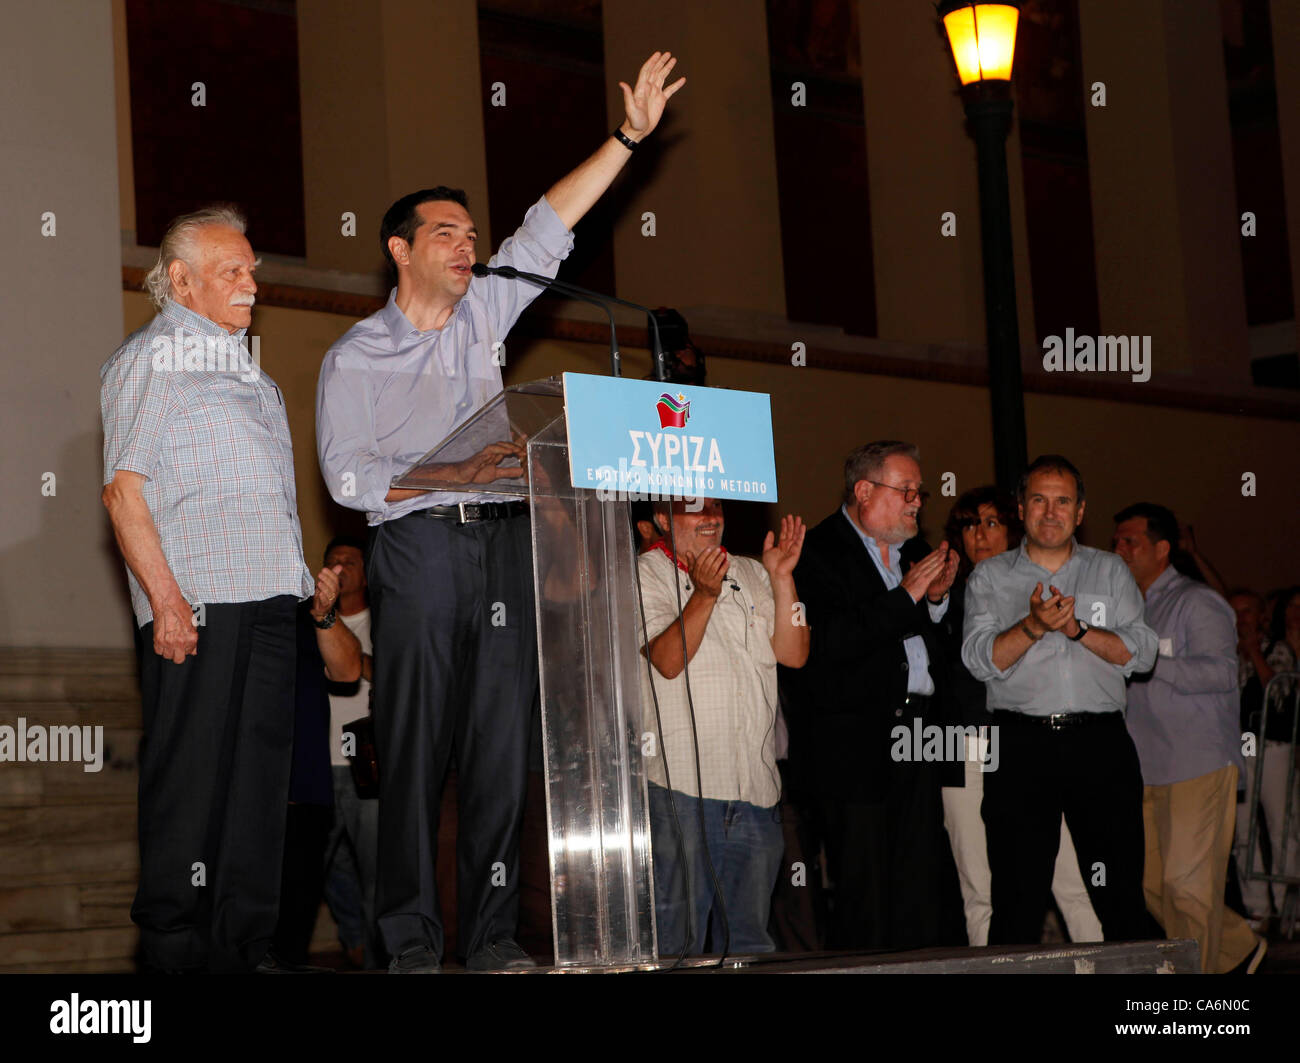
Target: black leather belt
(1059, 721)
(473, 512)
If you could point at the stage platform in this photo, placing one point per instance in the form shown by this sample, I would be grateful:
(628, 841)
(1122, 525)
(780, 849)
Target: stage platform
(1136, 957)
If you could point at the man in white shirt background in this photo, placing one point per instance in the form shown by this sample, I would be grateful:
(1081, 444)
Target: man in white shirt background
(352, 849)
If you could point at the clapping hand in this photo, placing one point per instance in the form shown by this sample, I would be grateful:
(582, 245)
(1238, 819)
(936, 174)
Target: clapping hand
(1052, 613)
(780, 555)
(707, 569)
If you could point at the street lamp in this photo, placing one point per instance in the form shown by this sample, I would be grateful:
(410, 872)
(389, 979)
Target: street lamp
(982, 38)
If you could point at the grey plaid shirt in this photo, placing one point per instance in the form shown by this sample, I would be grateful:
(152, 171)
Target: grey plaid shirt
(183, 407)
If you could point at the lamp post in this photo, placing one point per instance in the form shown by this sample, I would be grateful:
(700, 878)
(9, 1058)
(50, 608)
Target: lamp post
(982, 38)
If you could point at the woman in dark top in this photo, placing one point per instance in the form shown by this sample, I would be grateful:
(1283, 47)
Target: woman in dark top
(983, 523)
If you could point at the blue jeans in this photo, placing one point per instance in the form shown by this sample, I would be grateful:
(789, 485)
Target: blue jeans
(350, 857)
(745, 843)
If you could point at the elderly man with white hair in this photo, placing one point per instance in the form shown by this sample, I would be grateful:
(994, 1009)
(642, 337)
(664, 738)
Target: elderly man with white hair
(198, 474)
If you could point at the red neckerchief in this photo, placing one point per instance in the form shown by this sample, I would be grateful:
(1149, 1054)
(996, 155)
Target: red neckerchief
(662, 544)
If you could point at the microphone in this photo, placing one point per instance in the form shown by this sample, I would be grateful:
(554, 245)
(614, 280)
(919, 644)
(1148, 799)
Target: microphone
(481, 270)
(730, 581)
(587, 296)
(510, 273)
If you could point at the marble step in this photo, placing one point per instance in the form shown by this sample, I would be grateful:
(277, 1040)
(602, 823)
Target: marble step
(68, 950)
(68, 907)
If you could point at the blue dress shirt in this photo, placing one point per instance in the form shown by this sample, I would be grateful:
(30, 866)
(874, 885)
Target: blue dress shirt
(1185, 719)
(388, 392)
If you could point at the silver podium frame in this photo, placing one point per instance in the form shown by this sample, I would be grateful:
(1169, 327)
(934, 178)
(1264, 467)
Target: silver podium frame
(588, 648)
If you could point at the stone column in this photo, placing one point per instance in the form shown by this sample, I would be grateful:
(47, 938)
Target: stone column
(1165, 223)
(61, 580)
(709, 174)
(1285, 17)
(391, 103)
(921, 164)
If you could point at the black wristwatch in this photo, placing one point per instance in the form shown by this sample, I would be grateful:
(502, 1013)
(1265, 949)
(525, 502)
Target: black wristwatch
(327, 621)
(1083, 630)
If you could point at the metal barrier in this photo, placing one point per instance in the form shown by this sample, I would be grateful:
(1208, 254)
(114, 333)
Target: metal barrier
(1282, 689)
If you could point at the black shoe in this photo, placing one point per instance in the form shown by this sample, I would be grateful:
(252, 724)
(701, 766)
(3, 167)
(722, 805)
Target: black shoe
(500, 955)
(272, 964)
(419, 959)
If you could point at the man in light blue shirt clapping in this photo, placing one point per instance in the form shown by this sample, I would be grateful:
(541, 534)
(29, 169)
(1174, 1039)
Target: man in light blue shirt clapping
(1054, 628)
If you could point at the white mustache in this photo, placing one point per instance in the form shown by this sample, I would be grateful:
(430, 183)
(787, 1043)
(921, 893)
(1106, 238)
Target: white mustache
(243, 300)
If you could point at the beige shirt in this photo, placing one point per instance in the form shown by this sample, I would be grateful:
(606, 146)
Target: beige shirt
(733, 686)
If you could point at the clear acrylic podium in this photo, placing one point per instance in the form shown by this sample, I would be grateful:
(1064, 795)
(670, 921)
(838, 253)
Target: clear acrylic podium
(602, 900)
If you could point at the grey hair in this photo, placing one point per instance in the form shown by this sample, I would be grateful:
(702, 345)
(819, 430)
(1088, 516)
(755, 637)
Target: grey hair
(866, 461)
(178, 242)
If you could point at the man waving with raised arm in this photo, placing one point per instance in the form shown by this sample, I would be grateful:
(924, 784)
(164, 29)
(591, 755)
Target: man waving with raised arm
(451, 585)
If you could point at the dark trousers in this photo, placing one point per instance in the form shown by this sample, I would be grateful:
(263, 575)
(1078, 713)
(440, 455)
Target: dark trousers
(455, 668)
(214, 787)
(302, 881)
(1089, 773)
(895, 882)
(798, 922)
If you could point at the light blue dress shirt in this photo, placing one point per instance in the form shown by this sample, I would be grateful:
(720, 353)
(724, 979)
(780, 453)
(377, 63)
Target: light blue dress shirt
(919, 680)
(388, 393)
(1055, 675)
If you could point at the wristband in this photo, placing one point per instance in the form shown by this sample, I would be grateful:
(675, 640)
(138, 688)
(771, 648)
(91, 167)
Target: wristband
(327, 621)
(1025, 628)
(626, 141)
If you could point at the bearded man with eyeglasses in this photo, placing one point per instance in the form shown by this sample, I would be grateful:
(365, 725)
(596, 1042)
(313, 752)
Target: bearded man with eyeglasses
(874, 594)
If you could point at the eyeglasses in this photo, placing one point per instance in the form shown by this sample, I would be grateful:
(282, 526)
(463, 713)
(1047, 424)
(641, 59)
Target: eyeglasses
(910, 494)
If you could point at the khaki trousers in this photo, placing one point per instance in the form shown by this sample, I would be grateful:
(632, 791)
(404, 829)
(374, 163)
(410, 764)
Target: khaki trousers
(1188, 840)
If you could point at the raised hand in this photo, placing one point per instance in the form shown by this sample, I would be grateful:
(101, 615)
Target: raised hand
(327, 591)
(780, 555)
(645, 103)
(707, 569)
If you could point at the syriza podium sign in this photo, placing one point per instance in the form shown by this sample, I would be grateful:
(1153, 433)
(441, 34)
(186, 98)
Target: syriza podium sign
(647, 439)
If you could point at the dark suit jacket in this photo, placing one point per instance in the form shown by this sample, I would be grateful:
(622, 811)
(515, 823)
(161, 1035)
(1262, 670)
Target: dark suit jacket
(846, 700)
